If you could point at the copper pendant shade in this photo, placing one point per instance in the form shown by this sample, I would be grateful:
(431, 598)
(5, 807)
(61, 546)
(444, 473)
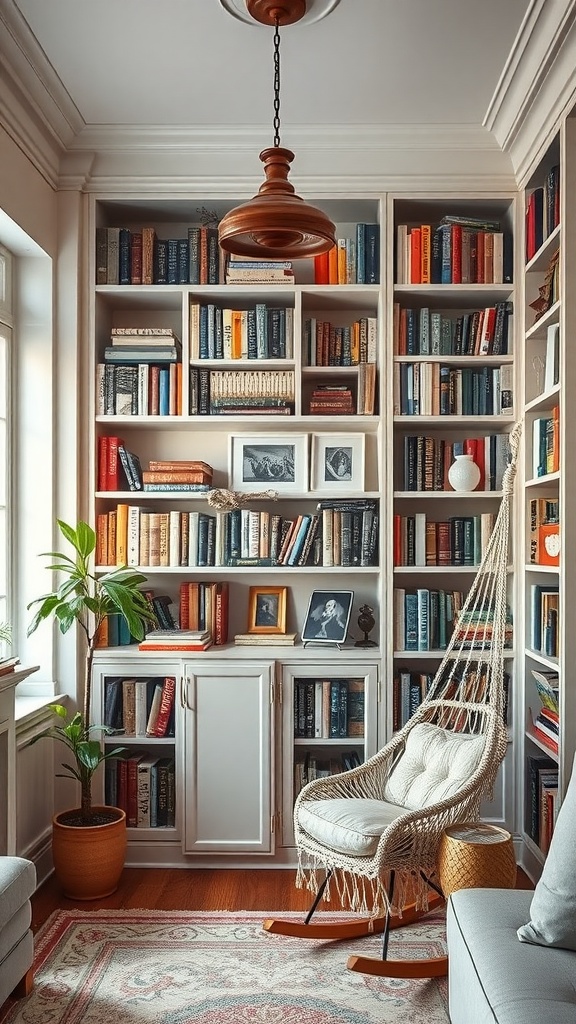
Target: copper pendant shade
(276, 223)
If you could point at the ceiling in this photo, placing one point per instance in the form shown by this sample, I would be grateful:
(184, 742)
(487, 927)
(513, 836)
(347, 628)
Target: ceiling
(189, 63)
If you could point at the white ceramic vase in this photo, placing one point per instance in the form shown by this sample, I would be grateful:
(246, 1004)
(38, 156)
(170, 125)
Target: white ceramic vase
(464, 474)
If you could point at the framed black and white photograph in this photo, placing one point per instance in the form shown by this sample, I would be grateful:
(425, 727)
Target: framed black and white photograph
(267, 610)
(337, 462)
(328, 616)
(260, 463)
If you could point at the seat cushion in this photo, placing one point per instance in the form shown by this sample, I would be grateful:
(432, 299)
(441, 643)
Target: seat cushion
(350, 826)
(17, 883)
(434, 766)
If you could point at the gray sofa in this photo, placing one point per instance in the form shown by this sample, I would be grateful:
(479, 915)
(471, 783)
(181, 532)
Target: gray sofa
(17, 883)
(493, 977)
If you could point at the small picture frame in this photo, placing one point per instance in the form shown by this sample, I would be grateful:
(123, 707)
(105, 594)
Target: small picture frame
(260, 463)
(337, 463)
(328, 616)
(267, 610)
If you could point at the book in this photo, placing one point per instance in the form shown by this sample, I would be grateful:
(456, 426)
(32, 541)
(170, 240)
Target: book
(166, 708)
(265, 639)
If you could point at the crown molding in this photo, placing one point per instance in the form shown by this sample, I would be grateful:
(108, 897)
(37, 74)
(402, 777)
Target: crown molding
(35, 108)
(537, 83)
(362, 152)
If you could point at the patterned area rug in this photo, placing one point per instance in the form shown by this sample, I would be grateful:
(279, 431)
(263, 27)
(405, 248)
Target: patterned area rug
(163, 967)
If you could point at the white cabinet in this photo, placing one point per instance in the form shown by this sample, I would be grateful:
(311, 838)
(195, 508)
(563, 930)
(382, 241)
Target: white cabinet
(227, 764)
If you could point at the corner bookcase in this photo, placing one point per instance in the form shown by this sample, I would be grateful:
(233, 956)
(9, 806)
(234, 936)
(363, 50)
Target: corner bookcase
(252, 723)
(548, 744)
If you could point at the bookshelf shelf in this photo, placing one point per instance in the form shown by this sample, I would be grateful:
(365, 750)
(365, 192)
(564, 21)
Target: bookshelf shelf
(546, 589)
(450, 324)
(247, 680)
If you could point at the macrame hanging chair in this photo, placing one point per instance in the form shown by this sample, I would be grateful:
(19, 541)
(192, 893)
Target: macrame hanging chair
(372, 834)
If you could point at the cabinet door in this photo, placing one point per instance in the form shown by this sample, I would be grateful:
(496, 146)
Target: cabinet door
(227, 750)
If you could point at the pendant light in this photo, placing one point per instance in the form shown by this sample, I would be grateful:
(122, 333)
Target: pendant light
(276, 223)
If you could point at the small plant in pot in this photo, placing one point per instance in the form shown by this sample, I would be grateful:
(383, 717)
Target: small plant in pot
(85, 599)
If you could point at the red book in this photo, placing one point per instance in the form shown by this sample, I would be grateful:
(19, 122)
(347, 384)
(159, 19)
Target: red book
(136, 257)
(415, 256)
(184, 607)
(114, 475)
(456, 254)
(103, 464)
(321, 269)
(166, 705)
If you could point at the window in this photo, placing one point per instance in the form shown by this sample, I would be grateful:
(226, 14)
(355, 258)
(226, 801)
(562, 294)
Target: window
(6, 324)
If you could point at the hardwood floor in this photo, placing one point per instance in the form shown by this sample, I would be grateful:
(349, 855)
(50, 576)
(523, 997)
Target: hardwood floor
(268, 890)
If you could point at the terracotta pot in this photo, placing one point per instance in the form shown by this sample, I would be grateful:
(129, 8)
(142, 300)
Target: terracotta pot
(88, 860)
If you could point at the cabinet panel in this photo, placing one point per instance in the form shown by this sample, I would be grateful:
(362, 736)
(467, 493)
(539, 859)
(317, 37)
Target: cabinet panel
(227, 758)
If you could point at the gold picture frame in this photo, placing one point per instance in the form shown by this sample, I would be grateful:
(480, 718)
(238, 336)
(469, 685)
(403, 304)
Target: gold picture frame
(267, 610)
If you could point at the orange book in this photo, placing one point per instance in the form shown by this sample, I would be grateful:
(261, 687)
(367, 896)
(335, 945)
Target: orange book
(333, 265)
(415, 255)
(425, 253)
(342, 271)
(236, 334)
(102, 538)
(121, 535)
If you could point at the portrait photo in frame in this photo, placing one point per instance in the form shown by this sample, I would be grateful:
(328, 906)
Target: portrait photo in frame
(260, 463)
(267, 610)
(337, 462)
(328, 616)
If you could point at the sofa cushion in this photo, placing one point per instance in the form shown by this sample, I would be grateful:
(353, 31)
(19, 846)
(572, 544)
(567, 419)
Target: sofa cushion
(350, 826)
(433, 767)
(17, 884)
(553, 908)
(494, 979)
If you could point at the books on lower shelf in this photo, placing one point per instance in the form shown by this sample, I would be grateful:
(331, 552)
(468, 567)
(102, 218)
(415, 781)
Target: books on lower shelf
(545, 607)
(315, 766)
(459, 540)
(132, 705)
(328, 708)
(425, 619)
(144, 786)
(541, 799)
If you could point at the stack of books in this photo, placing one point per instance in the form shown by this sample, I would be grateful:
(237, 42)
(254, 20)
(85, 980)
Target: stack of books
(8, 665)
(254, 271)
(547, 722)
(176, 640)
(268, 639)
(178, 475)
(332, 400)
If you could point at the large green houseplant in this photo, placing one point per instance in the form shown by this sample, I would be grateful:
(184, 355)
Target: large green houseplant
(85, 599)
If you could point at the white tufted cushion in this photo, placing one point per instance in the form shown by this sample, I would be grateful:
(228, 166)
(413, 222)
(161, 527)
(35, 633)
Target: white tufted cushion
(349, 826)
(433, 767)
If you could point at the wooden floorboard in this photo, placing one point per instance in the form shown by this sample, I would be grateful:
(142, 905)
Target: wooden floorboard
(268, 890)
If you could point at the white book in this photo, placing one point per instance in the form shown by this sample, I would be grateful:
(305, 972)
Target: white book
(174, 538)
(193, 538)
(143, 388)
(420, 538)
(552, 368)
(133, 553)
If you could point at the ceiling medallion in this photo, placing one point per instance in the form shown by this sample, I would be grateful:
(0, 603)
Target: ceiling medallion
(276, 223)
(315, 10)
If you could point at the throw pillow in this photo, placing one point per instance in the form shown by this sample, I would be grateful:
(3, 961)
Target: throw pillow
(553, 908)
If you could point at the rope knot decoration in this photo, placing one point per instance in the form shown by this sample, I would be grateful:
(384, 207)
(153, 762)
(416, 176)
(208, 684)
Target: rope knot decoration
(226, 501)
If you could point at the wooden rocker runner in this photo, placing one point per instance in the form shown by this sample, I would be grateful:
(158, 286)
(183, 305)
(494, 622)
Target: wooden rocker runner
(372, 834)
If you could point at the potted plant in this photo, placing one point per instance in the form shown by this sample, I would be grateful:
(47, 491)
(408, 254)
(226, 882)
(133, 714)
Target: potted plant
(89, 842)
